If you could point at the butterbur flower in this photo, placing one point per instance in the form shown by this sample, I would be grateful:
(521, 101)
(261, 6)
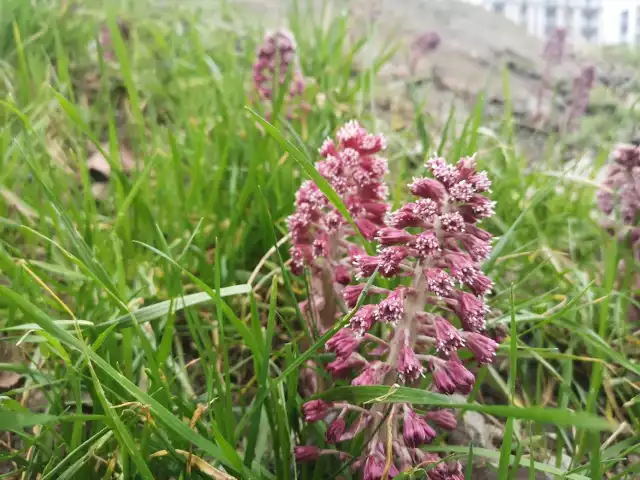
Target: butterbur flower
(431, 249)
(306, 454)
(335, 431)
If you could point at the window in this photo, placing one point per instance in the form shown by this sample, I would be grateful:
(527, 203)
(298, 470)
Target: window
(590, 13)
(551, 12)
(589, 33)
(524, 10)
(498, 7)
(624, 25)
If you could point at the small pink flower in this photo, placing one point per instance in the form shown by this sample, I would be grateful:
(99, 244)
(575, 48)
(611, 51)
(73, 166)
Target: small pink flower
(438, 281)
(480, 284)
(374, 468)
(409, 367)
(372, 374)
(478, 249)
(343, 343)
(315, 410)
(427, 245)
(483, 348)
(367, 228)
(462, 267)
(393, 236)
(448, 338)
(443, 419)
(351, 293)
(425, 209)
(477, 232)
(341, 275)
(328, 148)
(444, 172)
(462, 377)
(335, 431)
(341, 366)
(451, 375)
(391, 309)
(403, 218)
(390, 260)
(362, 321)
(471, 312)
(366, 265)
(452, 222)
(428, 188)
(415, 430)
(462, 191)
(306, 453)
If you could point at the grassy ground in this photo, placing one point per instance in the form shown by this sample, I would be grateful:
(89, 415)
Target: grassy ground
(154, 343)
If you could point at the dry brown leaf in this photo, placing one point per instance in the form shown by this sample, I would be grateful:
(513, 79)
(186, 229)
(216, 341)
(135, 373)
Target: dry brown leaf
(195, 461)
(9, 353)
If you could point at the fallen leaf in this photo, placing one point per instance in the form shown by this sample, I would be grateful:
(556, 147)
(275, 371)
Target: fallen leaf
(195, 461)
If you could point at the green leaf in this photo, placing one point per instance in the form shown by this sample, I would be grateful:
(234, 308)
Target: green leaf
(396, 394)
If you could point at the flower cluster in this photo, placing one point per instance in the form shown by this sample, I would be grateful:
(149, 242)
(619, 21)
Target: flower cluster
(320, 234)
(582, 86)
(275, 59)
(433, 247)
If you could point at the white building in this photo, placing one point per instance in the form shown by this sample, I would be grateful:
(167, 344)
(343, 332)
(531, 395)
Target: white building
(590, 21)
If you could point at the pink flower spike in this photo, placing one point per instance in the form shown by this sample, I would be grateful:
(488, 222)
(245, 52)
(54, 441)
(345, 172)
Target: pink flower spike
(462, 267)
(315, 410)
(428, 188)
(343, 343)
(477, 232)
(471, 310)
(483, 348)
(448, 338)
(443, 419)
(391, 309)
(306, 453)
(427, 244)
(335, 431)
(393, 236)
(415, 430)
(372, 374)
(425, 209)
(403, 218)
(409, 367)
(362, 321)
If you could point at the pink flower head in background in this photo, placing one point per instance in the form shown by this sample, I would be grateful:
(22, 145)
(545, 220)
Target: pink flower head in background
(432, 249)
(556, 46)
(582, 86)
(106, 40)
(619, 201)
(276, 58)
(421, 46)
